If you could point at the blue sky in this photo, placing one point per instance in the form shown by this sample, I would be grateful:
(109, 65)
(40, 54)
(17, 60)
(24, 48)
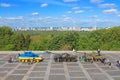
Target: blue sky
(57, 13)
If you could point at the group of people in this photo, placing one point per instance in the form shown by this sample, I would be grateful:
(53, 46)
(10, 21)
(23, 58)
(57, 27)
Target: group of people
(105, 61)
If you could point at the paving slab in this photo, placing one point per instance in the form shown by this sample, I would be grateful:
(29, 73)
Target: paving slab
(100, 64)
(35, 79)
(6, 57)
(99, 77)
(27, 67)
(47, 55)
(13, 77)
(89, 66)
(10, 65)
(57, 71)
(93, 71)
(116, 78)
(57, 63)
(42, 64)
(3, 74)
(71, 69)
(19, 72)
(39, 69)
(78, 79)
(106, 68)
(37, 74)
(57, 66)
(72, 64)
(25, 64)
(76, 74)
(5, 69)
(2, 56)
(114, 73)
(57, 77)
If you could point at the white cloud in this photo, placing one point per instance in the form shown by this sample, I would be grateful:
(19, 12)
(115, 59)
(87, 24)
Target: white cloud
(43, 5)
(69, 12)
(64, 15)
(74, 8)
(94, 16)
(79, 12)
(87, 7)
(48, 17)
(107, 5)
(35, 14)
(15, 18)
(53, 2)
(67, 18)
(110, 11)
(70, 0)
(119, 15)
(96, 1)
(5, 5)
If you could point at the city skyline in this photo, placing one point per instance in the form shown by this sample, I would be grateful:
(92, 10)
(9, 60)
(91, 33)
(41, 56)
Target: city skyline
(57, 13)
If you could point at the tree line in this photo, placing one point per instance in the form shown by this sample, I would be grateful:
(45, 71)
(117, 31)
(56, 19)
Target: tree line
(105, 39)
(10, 40)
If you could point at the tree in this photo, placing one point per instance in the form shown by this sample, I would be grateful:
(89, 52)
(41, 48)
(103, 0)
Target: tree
(27, 42)
(20, 42)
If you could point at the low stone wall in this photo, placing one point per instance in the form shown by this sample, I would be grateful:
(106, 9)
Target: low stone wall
(16, 52)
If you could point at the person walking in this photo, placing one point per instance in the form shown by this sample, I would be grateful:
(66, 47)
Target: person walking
(98, 52)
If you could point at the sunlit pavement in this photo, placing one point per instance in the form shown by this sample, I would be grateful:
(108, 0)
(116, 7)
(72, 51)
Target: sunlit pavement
(50, 70)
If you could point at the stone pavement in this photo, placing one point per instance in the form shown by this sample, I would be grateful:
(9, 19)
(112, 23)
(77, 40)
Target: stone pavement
(50, 70)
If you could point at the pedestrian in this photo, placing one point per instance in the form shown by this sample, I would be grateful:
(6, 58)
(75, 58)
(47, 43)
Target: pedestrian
(83, 59)
(60, 58)
(33, 60)
(98, 52)
(84, 54)
(10, 59)
(18, 54)
(109, 65)
(118, 63)
(93, 59)
(29, 62)
(105, 61)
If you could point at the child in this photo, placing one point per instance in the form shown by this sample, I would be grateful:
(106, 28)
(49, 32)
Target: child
(10, 59)
(109, 65)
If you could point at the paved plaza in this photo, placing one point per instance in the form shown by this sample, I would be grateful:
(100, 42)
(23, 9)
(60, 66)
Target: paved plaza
(50, 70)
